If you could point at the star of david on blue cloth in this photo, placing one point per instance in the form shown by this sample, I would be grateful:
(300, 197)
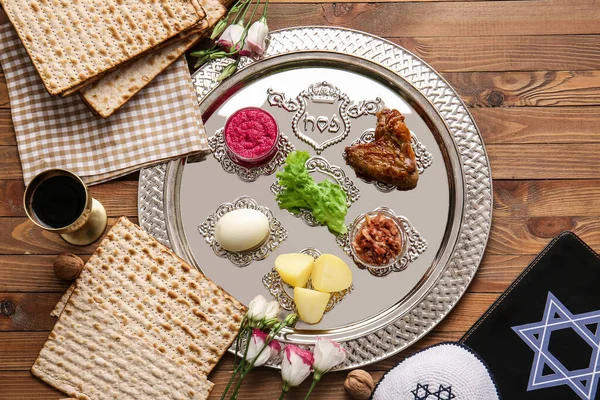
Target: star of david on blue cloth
(584, 382)
(422, 392)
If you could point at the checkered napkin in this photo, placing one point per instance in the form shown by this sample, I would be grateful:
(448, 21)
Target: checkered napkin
(161, 122)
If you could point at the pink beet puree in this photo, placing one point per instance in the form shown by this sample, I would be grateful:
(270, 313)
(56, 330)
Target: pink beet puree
(251, 134)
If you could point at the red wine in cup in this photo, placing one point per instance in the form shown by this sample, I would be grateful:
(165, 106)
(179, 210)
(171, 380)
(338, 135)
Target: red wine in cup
(59, 201)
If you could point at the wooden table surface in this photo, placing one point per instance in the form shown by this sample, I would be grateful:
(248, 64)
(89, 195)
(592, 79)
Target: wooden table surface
(529, 72)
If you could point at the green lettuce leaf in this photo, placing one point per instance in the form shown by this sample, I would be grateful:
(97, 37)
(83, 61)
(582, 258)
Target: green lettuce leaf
(326, 200)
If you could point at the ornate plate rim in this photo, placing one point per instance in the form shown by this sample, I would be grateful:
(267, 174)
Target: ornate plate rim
(477, 206)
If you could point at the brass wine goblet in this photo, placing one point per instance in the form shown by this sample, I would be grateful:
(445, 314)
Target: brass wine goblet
(57, 200)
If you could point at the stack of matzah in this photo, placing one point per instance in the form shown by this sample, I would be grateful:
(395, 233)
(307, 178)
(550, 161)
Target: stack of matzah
(107, 50)
(140, 323)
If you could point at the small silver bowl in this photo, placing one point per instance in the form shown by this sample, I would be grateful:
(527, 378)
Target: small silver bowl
(357, 225)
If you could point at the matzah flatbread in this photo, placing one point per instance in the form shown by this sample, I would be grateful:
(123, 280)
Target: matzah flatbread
(160, 298)
(90, 355)
(60, 306)
(70, 42)
(108, 94)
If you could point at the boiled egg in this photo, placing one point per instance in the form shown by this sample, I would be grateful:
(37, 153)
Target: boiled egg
(241, 230)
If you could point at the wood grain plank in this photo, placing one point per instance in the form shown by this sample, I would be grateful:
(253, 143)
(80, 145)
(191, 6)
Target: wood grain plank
(507, 53)
(523, 198)
(273, 2)
(558, 198)
(509, 161)
(33, 311)
(30, 273)
(498, 18)
(11, 198)
(518, 89)
(118, 197)
(503, 125)
(497, 125)
(10, 165)
(509, 235)
(34, 273)
(20, 236)
(260, 384)
(28, 311)
(541, 161)
(20, 349)
(7, 132)
(514, 235)
(445, 19)
(24, 386)
(497, 272)
(4, 103)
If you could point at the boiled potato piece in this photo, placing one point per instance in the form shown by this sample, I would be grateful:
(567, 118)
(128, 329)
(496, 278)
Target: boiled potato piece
(311, 304)
(294, 268)
(331, 274)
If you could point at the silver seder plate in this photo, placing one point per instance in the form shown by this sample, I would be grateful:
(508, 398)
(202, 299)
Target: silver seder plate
(323, 86)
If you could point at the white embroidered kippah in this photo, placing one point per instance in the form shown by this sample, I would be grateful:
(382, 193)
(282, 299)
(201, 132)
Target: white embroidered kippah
(442, 372)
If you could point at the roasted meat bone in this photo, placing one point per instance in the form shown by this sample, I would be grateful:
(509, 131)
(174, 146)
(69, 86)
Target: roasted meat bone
(390, 157)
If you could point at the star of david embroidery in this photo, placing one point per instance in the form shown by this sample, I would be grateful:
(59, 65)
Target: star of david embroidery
(443, 393)
(422, 392)
(584, 382)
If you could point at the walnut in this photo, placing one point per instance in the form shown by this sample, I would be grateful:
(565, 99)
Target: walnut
(359, 384)
(67, 266)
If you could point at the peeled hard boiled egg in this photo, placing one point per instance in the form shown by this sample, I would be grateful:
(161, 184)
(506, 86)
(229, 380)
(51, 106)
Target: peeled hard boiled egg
(241, 230)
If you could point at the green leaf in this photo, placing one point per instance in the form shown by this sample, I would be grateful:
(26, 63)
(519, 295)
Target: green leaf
(326, 200)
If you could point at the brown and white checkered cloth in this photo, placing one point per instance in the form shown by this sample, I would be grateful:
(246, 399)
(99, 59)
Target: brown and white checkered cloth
(161, 122)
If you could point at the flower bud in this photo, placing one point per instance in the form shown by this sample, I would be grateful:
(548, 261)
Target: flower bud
(290, 319)
(227, 72)
(258, 305)
(231, 37)
(272, 309)
(218, 29)
(255, 43)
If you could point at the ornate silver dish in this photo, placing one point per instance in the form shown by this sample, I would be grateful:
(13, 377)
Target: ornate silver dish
(323, 86)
